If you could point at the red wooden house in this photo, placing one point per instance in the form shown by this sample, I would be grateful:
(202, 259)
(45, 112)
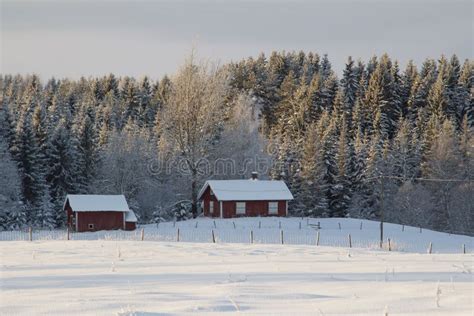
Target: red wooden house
(235, 198)
(98, 212)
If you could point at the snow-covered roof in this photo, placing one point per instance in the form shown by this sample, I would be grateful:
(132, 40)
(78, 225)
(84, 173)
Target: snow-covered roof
(130, 217)
(96, 203)
(248, 190)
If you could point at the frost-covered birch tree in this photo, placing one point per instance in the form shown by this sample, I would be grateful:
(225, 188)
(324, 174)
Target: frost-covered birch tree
(192, 117)
(241, 146)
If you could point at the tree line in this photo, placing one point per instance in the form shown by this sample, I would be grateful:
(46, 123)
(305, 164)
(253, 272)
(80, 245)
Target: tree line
(329, 139)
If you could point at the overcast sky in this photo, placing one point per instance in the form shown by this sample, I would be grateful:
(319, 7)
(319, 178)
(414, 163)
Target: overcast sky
(84, 37)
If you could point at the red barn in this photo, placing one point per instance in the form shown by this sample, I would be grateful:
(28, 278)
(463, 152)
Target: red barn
(98, 212)
(235, 198)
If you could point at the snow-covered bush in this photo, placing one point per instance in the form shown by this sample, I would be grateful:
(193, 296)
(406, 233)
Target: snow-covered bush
(179, 211)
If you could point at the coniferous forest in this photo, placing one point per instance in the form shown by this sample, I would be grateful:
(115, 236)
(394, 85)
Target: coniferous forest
(337, 140)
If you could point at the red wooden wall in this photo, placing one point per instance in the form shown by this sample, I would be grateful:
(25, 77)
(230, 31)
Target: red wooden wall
(130, 225)
(101, 220)
(253, 208)
(70, 216)
(208, 199)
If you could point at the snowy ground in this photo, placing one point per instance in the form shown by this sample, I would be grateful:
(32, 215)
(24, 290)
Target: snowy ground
(103, 277)
(334, 232)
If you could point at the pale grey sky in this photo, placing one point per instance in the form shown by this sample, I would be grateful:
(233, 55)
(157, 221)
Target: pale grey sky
(85, 37)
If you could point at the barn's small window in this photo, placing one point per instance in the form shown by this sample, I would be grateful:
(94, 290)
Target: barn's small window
(273, 208)
(91, 226)
(211, 207)
(240, 207)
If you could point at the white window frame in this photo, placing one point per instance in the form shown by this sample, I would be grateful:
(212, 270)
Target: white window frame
(211, 207)
(240, 208)
(273, 208)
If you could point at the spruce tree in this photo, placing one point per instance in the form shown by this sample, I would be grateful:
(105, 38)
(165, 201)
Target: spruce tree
(11, 205)
(408, 79)
(148, 108)
(45, 214)
(111, 84)
(326, 68)
(453, 72)
(357, 176)
(421, 87)
(26, 153)
(437, 98)
(330, 170)
(341, 191)
(314, 95)
(328, 91)
(371, 187)
(130, 99)
(403, 160)
(7, 124)
(350, 86)
(465, 99)
(313, 194)
(85, 139)
(466, 148)
(63, 176)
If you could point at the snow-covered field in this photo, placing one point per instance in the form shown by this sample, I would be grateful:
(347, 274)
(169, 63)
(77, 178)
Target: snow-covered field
(115, 273)
(333, 232)
(101, 277)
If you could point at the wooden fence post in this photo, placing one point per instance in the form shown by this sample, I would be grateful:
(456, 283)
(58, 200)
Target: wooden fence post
(177, 235)
(143, 234)
(403, 228)
(389, 245)
(350, 241)
(251, 236)
(360, 225)
(196, 226)
(300, 225)
(67, 233)
(339, 226)
(430, 248)
(281, 236)
(234, 224)
(213, 237)
(464, 248)
(317, 238)
(259, 224)
(30, 233)
(215, 224)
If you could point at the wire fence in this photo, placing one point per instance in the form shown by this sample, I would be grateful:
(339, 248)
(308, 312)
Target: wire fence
(405, 239)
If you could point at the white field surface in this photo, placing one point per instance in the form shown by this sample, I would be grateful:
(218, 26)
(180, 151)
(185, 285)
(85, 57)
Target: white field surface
(122, 277)
(163, 278)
